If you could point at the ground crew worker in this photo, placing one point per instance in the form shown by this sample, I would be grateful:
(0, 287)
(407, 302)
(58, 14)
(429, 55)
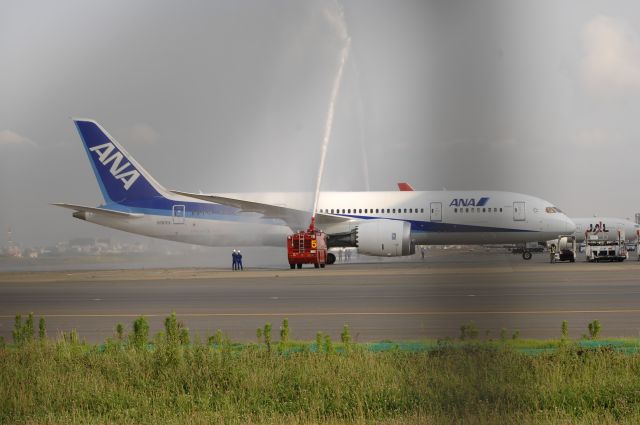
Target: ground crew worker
(422, 252)
(234, 260)
(239, 261)
(552, 253)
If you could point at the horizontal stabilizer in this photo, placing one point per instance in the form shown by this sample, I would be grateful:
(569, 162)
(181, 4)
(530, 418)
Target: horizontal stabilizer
(96, 210)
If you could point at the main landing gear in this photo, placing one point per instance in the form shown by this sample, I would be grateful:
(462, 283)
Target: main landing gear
(526, 255)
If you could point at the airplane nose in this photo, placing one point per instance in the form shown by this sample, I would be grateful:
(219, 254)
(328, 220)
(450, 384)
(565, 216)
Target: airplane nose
(569, 225)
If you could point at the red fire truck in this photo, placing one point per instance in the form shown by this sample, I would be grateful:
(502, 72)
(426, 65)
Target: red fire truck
(307, 247)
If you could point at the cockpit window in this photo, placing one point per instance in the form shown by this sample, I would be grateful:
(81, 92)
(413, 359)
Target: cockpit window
(552, 210)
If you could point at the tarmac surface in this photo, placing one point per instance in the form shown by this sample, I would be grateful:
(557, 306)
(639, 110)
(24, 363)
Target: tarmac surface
(380, 301)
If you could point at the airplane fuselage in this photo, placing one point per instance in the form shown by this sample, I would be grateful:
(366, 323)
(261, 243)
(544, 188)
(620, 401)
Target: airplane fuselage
(436, 217)
(605, 224)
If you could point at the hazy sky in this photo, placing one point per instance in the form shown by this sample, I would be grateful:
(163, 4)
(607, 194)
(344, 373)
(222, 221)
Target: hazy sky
(536, 97)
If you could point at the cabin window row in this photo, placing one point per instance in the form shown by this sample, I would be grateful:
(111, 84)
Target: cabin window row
(371, 210)
(471, 209)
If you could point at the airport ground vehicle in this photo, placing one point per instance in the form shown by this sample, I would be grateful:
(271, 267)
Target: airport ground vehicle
(565, 249)
(527, 249)
(307, 247)
(609, 246)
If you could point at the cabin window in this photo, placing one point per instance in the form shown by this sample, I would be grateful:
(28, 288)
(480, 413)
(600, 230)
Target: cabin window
(455, 210)
(484, 210)
(500, 209)
(360, 211)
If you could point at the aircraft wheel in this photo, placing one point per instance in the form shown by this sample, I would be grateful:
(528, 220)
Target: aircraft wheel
(299, 266)
(316, 265)
(322, 266)
(293, 266)
(526, 255)
(331, 258)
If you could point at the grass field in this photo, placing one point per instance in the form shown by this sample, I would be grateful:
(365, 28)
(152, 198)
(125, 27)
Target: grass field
(177, 381)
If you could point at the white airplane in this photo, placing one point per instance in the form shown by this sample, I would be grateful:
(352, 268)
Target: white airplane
(377, 223)
(605, 225)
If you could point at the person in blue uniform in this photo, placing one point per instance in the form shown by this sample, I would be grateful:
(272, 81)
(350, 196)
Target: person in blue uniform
(239, 261)
(234, 260)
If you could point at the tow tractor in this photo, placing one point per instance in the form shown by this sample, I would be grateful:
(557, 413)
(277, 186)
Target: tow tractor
(307, 247)
(609, 246)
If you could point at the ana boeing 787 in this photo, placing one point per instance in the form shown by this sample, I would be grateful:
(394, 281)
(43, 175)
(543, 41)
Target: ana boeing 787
(376, 223)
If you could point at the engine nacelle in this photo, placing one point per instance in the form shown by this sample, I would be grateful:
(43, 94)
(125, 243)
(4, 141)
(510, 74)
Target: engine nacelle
(388, 238)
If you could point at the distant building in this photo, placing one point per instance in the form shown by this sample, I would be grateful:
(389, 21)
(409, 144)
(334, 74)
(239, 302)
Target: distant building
(12, 249)
(31, 253)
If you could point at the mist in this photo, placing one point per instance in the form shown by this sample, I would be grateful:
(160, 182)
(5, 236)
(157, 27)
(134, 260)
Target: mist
(233, 97)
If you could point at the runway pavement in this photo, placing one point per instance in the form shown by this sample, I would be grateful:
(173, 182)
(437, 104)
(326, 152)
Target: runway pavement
(385, 301)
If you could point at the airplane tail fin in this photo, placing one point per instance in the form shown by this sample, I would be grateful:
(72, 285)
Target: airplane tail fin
(121, 178)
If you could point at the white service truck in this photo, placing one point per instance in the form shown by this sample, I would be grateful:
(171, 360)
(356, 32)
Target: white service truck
(605, 246)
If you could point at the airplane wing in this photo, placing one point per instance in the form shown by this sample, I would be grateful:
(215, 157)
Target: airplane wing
(294, 218)
(98, 210)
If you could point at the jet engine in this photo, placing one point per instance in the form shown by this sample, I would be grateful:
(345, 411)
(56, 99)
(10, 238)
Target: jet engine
(388, 238)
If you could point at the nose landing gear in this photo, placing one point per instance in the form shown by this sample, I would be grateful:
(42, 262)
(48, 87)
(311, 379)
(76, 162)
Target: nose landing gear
(526, 255)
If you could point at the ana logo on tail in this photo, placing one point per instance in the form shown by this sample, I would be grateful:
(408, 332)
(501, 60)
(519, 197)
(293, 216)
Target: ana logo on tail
(125, 173)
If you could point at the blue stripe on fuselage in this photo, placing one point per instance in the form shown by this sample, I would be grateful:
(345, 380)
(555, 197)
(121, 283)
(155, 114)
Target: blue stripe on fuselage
(434, 227)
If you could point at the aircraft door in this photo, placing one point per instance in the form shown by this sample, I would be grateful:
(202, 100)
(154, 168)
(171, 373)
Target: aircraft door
(178, 214)
(519, 211)
(436, 211)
